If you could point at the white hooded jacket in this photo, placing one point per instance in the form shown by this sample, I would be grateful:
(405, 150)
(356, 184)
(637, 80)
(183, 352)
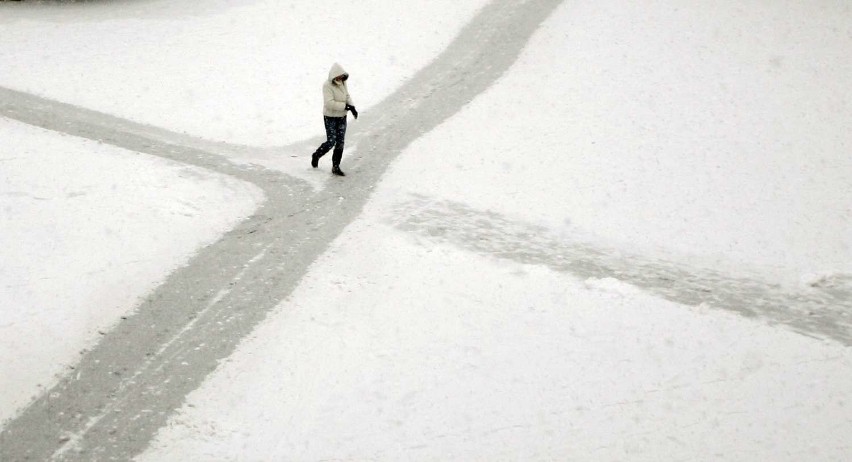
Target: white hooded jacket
(335, 96)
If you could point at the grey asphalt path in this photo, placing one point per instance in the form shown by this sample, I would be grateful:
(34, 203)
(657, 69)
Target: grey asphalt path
(822, 310)
(125, 388)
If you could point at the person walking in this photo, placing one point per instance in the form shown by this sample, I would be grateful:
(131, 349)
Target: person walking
(336, 103)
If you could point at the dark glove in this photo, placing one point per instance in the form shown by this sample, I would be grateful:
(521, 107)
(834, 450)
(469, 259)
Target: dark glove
(352, 109)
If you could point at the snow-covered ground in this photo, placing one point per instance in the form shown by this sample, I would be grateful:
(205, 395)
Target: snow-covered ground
(95, 227)
(239, 71)
(713, 134)
(675, 131)
(87, 230)
(717, 132)
(415, 352)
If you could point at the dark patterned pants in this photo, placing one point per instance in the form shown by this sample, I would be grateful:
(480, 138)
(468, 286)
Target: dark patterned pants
(335, 132)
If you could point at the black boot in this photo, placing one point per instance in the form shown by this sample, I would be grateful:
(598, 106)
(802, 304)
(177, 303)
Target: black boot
(315, 157)
(321, 150)
(335, 160)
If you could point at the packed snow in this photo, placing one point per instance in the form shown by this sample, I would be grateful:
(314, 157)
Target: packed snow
(711, 134)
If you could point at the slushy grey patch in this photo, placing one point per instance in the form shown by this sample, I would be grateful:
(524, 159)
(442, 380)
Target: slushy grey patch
(823, 310)
(123, 390)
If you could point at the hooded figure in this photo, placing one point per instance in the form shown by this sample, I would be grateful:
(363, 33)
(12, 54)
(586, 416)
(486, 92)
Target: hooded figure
(336, 102)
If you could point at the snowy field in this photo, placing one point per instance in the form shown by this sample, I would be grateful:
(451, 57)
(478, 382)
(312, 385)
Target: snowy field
(88, 229)
(712, 135)
(717, 133)
(415, 352)
(113, 227)
(422, 352)
(245, 72)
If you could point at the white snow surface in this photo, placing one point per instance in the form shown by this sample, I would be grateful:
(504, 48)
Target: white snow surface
(94, 227)
(718, 133)
(411, 352)
(707, 133)
(86, 230)
(247, 72)
(715, 134)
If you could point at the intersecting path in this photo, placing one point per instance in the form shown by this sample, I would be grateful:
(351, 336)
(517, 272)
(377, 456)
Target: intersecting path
(125, 388)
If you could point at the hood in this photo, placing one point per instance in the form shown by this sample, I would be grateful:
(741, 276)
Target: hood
(336, 71)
